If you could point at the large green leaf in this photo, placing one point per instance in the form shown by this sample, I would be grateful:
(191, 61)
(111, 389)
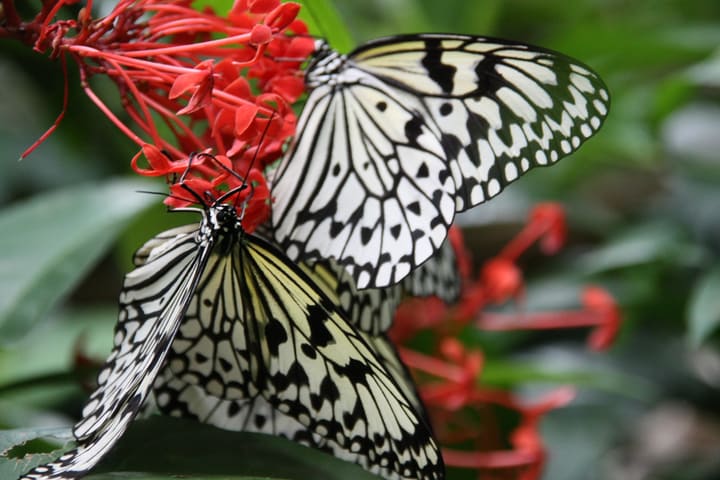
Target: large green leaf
(165, 448)
(49, 243)
(704, 307)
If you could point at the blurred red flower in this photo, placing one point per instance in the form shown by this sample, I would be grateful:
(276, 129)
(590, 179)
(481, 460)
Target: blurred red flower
(190, 81)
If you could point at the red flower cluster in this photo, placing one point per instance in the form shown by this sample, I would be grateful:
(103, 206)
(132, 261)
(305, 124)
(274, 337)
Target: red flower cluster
(216, 84)
(450, 381)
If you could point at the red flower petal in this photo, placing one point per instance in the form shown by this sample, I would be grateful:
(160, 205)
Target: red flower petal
(189, 81)
(282, 16)
(262, 6)
(290, 88)
(603, 304)
(552, 215)
(244, 117)
(160, 163)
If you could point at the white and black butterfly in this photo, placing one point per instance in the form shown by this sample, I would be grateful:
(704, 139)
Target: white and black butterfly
(191, 388)
(405, 131)
(272, 333)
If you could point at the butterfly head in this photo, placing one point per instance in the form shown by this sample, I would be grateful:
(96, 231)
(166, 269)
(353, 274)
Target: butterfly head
(223, 218)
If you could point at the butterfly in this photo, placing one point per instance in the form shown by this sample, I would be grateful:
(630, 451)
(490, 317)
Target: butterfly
(187, 387)
(273, 334)
(405, 131)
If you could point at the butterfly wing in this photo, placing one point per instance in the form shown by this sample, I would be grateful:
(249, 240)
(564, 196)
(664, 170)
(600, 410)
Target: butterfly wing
(372, 310)
(266, 334)
(256, 414)
(152, 304)
(317, 368)
(409, 130)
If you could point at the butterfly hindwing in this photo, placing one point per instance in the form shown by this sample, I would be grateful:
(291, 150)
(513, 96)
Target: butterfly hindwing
(405, 131)
(256, 414)
(372, 310)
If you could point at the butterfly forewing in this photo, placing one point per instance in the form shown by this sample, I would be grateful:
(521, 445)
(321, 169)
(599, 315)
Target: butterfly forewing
(408, 130)
(152, 304)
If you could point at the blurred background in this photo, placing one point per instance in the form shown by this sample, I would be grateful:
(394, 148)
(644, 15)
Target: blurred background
(642, 198)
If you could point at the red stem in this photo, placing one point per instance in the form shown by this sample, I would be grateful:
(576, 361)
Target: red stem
(61, 115)
(522, 241)
(490, 460)
(538, 321)
(431, 365)
(10, 13)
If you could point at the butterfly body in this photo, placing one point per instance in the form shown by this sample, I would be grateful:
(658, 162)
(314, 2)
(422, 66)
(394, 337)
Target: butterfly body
(405, 131)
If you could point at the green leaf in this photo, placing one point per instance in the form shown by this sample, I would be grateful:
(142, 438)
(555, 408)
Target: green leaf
(322, 18)
(50, 348)
(52, 240)
(704, 307)
(509, 374)
(23, 449)
(166, 448)
(653, 241)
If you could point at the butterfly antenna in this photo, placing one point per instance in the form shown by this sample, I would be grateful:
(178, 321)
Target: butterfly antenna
(182, 183)
(247, 172)
(162, 194)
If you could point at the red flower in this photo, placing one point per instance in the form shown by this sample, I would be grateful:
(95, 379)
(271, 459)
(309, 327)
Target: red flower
(451, 382)
(188, 69)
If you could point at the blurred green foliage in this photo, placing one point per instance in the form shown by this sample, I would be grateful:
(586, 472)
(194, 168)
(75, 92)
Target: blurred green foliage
(642, 199)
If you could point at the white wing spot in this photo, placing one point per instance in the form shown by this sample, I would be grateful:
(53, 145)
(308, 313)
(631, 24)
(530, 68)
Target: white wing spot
(520, 54)
(600, 107)
(477, 195)
(541, 73)
(511, 172)
(363, 279)
(529, 87)
(565, 146)
(582, 83)
(293, 252)
(541, 158)
(517, 104)
(581, 70)
(493, 187)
